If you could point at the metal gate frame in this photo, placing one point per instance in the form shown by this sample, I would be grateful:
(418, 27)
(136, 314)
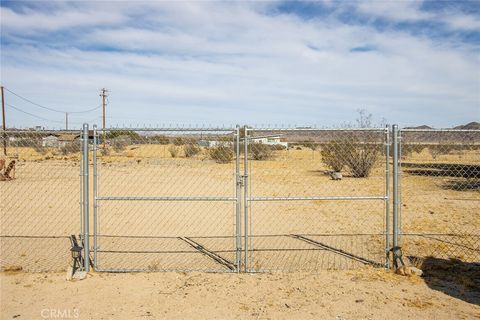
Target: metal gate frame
(242, 198)
(238, 180)
(249, 198)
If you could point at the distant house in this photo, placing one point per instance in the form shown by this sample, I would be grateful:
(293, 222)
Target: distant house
(270, 140)
(50, 141)
(213, 143)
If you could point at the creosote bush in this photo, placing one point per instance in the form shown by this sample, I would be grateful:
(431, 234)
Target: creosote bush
(359, 158)
(333, 155)
(221, 153)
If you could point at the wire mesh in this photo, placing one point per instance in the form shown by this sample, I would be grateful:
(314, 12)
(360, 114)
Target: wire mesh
(166, 200)
(39, 199)
(440, 194)
(172, 199)
(317, 199)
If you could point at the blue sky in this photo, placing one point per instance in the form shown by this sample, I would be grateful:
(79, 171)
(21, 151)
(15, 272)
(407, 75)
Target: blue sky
(222, 63)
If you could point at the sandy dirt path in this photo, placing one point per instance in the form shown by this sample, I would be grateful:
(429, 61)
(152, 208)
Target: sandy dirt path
(359, 294)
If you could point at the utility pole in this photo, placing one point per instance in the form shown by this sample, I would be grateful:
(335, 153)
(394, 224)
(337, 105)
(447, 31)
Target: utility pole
(3, 124)
(104, 95)
(66, 120)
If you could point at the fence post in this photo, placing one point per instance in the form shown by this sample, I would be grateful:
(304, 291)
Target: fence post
(86, 203)
(387, 196)
(395, 249)
(95, 204)
(238, 196)
(245, 194)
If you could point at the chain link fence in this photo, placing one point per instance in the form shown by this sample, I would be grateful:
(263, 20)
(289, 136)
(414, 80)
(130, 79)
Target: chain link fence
(236, 199)
(440, 194)
(39, 199)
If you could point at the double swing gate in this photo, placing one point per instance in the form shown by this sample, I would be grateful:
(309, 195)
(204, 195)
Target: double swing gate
(231, 200)
(238, 199)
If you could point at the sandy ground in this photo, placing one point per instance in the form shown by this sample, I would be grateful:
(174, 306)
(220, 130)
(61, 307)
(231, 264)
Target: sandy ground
(360, 294)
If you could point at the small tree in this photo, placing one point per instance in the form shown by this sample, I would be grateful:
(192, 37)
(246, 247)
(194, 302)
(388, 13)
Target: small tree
(221, 153)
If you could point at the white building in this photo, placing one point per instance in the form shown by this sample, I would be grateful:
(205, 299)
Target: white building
(50, 141)
(269, 140)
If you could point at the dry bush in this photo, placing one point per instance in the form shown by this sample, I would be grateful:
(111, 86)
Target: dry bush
(359, 158)
(174, 150)
(409, 149)
(70, 148)
(309, 144)
(260, 151)
(221, 153)
(178, 141)
(333, 155)
(160, 139)
(191, 150)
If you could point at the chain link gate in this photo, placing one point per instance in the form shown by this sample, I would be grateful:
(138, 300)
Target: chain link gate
(166, 200)
(300, 215)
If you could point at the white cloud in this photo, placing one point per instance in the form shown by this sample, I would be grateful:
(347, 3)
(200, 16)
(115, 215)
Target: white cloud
(211, 62)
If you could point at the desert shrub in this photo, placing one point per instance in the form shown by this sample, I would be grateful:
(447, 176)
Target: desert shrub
(260, 151)
(191, 150)
(309, 144)
(359, 158)
(160, 139)
(221, 153)
(333, 155)
(439, 149)
(119, 144)
(408, 149)
(69, 148)
(122, 133)
(178, 141)
(174, 150)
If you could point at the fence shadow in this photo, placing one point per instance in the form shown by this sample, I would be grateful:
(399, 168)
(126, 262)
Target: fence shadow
(454, 277)
(464, 177)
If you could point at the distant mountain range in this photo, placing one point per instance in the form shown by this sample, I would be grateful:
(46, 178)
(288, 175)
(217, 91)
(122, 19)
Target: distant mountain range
(469, 126)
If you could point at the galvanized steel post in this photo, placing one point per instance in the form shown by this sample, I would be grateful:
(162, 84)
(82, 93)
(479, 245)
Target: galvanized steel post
(238, 197)
(245, 194)
(86, 234)
(395, 191)
(95, 204)
(387, 197)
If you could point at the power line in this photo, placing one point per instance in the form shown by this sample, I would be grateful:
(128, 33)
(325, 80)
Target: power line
(31, 114)
(48, 108)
